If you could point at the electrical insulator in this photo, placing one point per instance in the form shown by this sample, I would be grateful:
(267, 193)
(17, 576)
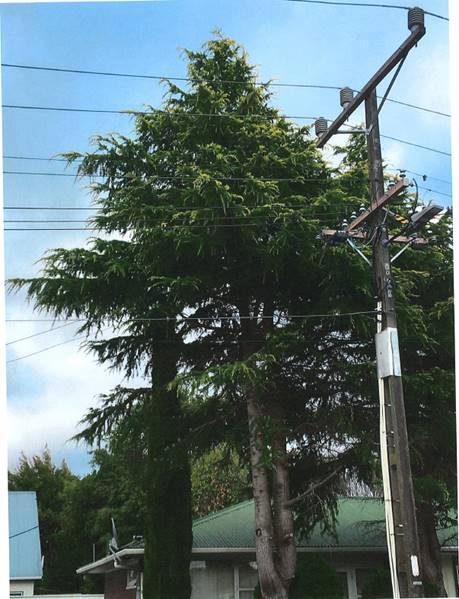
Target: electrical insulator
(362, 209)
(345, 96)
(321, 126)
(353, 216)
(415, 18)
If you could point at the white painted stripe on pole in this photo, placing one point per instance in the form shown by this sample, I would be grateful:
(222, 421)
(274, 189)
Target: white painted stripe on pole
(414, 565)
(390, 529)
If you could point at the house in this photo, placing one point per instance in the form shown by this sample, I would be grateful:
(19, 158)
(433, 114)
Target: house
(24, 543)
(224, 566)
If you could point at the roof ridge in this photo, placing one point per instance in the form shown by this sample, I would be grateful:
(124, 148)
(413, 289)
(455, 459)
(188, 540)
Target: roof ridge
(360, 498)
(218, 513)
(241, 504)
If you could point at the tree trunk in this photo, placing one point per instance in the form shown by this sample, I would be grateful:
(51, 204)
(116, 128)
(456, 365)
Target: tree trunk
(168, 530)
(283, 518)
(271, 584)
(430, 552)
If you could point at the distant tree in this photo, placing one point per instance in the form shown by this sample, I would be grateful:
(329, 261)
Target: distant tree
(219, 478)
(53, 485)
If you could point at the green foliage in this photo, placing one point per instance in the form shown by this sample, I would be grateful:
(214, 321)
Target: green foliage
(315, 579)
(378, 585)
(219, 479)
(219, 201)
(53, 485)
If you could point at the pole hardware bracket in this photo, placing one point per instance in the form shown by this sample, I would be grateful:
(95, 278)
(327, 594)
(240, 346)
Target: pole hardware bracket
(358, 250)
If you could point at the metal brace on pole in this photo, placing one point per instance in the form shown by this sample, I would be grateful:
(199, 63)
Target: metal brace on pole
(358, 250)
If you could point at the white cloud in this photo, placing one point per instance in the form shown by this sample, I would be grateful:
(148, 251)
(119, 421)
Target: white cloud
(394, 155)
(52, 390)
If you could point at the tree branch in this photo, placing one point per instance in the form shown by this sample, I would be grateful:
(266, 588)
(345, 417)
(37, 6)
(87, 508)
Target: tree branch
(312, 487)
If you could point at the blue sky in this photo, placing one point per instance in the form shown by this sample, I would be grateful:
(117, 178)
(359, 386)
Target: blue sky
(289, 42)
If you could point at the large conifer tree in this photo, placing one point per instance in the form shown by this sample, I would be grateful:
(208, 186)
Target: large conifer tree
(218, 201)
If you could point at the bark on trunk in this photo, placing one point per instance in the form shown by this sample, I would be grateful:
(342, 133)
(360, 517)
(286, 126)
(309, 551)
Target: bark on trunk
(168, 526)
(430, 552)
(271, 584)
(283, 518)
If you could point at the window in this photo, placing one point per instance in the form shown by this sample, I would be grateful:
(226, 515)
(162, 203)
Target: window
(348, 577)
(245, 580)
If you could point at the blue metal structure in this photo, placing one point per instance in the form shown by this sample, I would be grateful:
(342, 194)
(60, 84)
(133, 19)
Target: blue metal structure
(24, 536)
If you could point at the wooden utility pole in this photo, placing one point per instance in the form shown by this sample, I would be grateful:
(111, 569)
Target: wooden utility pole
(402, 532)
(403, 506)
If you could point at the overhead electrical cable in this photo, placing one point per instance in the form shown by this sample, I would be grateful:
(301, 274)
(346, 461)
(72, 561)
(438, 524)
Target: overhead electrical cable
(177, 208)
(425, 177)
(298, 179)
(441, 193)
(175, 114)
(256, 220)
(223, 81)
(205, 318)
(53, 159)
(45, 349)
(210, 115)
(40, 333)
(23, 532)
(410, 143)
(367, 5)
(209, 225)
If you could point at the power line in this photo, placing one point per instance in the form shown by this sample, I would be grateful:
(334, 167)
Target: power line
(41, 158)
(45, 349)
(362, 4)
(367, 5)
(159, 111)
(43, 174)
(433, 14)
(353, 128)
(410, 143)
(161, 221)
(40, 333)
(163, 319)
(202, 114)
(176, 208)
(424, 177)
(23, 532)
(409, 105)
(50, 208)
(441, 193)
(190, 178)
(35, 158)
(298, 179)
(223, 81)
(209, 225)
(204, 318)
(168, 78)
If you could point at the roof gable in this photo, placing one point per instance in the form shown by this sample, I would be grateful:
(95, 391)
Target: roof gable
(24, 537)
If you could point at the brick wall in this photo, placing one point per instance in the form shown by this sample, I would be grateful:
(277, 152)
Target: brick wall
(115, 586)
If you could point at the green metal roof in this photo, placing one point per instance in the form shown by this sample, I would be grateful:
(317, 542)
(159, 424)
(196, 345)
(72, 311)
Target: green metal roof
(360, 524)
